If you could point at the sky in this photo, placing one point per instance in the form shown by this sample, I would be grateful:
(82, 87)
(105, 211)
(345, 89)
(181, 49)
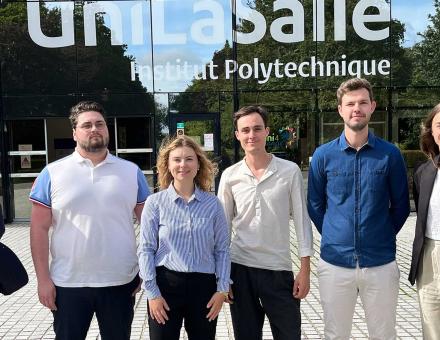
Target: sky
(414, 14)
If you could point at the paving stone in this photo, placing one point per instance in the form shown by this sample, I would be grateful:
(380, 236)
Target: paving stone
(22, 316)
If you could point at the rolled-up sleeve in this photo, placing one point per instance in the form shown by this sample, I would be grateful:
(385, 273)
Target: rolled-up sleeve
(301, 219)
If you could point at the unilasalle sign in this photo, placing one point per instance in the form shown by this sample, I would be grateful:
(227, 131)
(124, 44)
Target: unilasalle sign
(209, 28)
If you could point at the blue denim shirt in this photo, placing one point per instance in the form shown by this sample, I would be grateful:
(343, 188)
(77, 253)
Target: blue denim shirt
(358, 201)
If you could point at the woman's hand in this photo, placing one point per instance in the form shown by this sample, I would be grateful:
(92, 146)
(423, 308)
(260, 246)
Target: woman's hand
(158, 309)
(215, 305)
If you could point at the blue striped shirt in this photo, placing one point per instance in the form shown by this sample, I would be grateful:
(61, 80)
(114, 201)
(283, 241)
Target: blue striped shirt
(184, 237)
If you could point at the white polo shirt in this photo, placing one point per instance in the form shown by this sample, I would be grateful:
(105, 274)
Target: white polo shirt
(93, 242)
(259, 214)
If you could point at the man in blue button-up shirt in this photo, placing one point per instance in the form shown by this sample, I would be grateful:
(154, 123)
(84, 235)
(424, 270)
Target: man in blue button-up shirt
(358, 200)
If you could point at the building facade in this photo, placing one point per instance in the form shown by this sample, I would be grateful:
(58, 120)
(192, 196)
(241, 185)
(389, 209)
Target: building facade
(161, 67)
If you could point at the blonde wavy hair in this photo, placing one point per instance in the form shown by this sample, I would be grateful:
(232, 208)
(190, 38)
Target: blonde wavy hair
(207, 168)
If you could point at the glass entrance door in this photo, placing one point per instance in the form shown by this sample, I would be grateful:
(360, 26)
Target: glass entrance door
(27, 157)
(204, 128)
(37, 142)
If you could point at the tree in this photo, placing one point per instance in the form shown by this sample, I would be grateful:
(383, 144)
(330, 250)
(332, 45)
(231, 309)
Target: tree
(425, 55)
(292, 100)
(98, 72)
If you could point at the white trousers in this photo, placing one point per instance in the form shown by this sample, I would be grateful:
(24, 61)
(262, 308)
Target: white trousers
(378, 288)
(428, 289)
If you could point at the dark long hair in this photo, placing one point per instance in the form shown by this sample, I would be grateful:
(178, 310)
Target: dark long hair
(427, 142)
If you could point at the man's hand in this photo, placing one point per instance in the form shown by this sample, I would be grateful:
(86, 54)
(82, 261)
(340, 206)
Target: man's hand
(230, 298)
(41, 221)
(137, 289)
(215, 305)
(301, 285)
(47, 293)
(158, 309)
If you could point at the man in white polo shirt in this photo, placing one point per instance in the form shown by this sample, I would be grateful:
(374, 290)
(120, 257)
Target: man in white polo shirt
(260, 194)
(88, 199)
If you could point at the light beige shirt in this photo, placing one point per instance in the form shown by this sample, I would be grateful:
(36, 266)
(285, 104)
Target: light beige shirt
(259, 212)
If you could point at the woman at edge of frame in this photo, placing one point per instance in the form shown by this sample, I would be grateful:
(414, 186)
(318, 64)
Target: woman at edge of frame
(425, 264)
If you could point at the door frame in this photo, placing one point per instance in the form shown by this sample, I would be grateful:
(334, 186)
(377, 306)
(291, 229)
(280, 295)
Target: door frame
(187, 117)
(173, 118)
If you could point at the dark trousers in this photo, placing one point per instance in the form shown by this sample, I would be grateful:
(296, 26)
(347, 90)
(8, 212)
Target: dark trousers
(187, 295)
(113, 307)
(259, 292)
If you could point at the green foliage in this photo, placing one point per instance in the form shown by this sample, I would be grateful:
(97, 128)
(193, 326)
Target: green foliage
(425, 56)
(409, 133)
(412, 157)
(100, 72)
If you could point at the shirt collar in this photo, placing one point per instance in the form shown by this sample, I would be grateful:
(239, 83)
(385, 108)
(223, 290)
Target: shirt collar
(271, 167)
(371, 141)
(109, 158)
(197, 195)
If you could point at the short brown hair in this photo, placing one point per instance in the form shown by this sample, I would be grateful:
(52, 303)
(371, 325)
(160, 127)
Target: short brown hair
(247, 110)
(84, 106)
(353, 84)
(207, 169)
(427, 142)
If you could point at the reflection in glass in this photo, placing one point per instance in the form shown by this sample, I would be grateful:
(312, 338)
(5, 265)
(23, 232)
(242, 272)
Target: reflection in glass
(117, 38)
(26, 163)
(351, 48)
(60, 141)
(143, 160)
(18, 107)
(289, 135)
(191, 41)
(272, 44)
(194, 102)
(29, 68)
(28, 132)
(332, 125)
(134, 133)
(22, 206)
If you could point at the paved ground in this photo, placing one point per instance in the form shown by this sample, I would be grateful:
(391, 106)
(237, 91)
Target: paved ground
(22, 317)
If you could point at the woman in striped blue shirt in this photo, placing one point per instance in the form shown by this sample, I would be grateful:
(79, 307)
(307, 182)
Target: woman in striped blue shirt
(184, 246)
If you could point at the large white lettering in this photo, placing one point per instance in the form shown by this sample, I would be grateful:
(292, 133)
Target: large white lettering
(90, 11)
(209, 29)
(257, 20)
(339, 13)
(296, 20)
(216, 23)
(360, 18)
(67, 37)
(160, 37)
(261, 72)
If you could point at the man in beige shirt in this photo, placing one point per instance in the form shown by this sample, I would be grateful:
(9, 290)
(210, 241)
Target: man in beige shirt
(260, 194)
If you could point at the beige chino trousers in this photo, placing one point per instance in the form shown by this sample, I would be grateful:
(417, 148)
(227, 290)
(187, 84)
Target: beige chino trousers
(378, 288)
(428, 289)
